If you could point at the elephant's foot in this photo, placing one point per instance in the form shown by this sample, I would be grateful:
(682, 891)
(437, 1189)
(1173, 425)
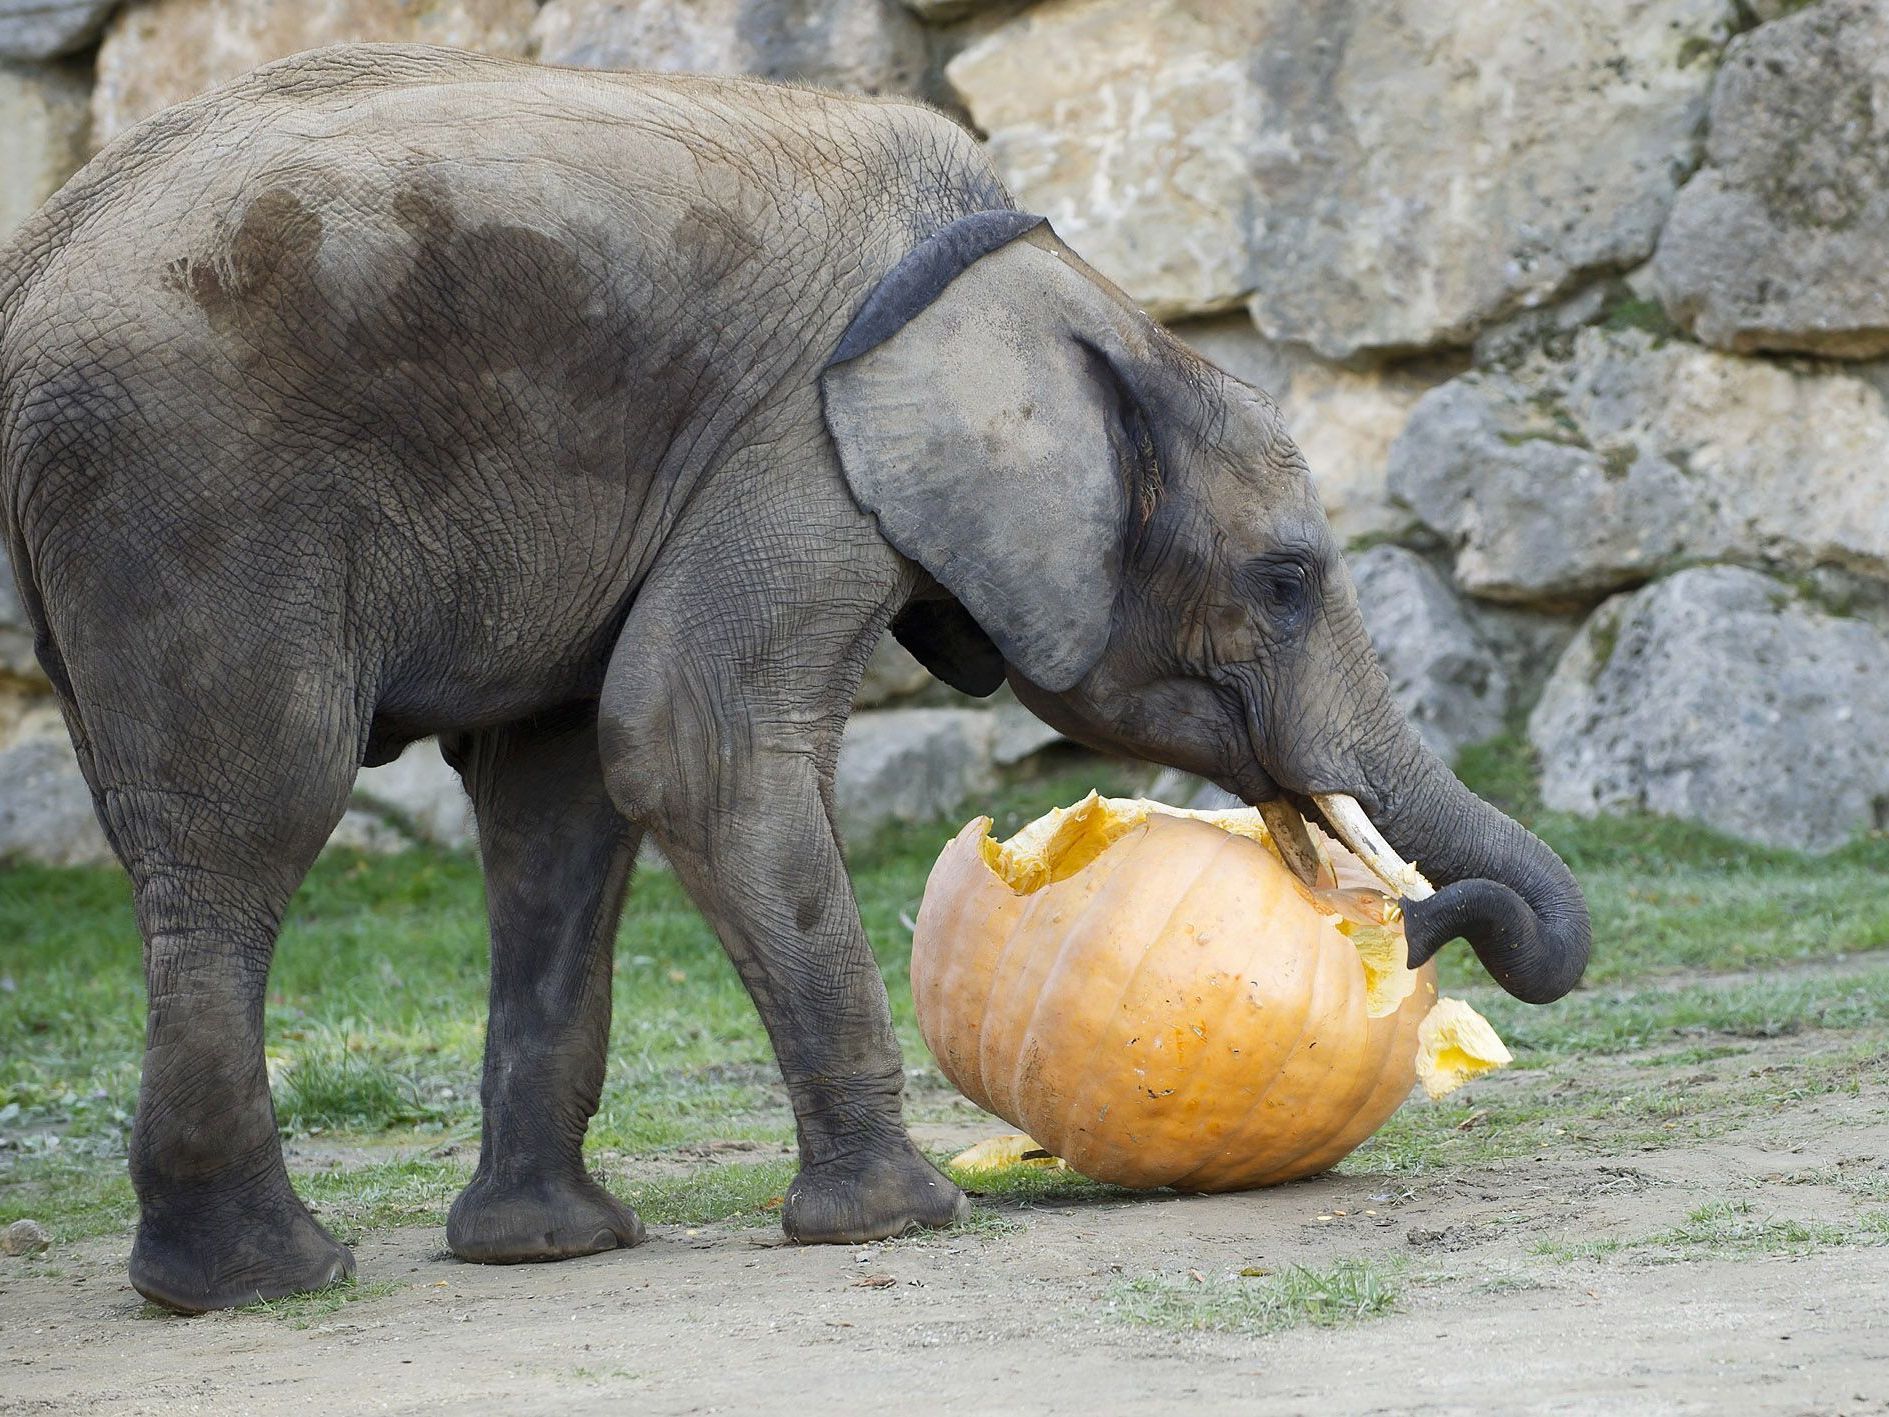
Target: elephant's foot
(221, 1250)
(883, 1193)
(521, 1221)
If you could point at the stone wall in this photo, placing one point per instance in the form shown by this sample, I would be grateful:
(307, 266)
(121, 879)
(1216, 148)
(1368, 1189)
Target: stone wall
(1581, 314)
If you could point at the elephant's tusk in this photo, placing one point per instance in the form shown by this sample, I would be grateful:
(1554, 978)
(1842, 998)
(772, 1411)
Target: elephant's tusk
(1290, 837)
(1355, 830)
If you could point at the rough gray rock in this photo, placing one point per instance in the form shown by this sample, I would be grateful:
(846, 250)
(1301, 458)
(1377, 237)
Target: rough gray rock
(1782, 240)
(1559, 481)
(420, 794)
(361, 830)
(43, 124)
(1722, 696)
(1448, 681)
(912, 765)
(25, 1237)
(46, 811)
(45, 807)
(38, 30)
(1018, 735)
(160, 52)
(16, 636)
(1371, 176)
(940, 12)
(1130, 124)
(1527, 645)
(890, 674)
(861, 46)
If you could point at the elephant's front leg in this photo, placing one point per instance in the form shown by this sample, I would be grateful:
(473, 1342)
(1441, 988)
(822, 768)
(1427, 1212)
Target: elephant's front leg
(766, 869)
(730, 762)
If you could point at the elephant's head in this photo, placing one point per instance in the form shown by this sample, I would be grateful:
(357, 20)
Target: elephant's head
(1129, 535)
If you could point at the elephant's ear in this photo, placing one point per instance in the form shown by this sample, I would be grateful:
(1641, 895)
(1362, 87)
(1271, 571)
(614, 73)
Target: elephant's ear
(979, 418)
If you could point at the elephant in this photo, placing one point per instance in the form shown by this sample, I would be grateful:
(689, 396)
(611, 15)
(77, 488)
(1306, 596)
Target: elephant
(601, 425)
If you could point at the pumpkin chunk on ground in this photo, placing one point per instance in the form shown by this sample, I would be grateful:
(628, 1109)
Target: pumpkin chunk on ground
(1000, 1152)
(1455, 1044)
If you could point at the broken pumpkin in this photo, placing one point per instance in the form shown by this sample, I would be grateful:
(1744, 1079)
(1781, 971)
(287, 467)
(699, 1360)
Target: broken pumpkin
(1154, 996)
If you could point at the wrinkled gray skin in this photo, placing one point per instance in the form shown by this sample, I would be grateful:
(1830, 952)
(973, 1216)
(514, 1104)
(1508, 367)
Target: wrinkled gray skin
(391, 392)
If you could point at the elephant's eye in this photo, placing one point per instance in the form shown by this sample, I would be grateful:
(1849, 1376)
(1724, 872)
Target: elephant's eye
(1280, 587)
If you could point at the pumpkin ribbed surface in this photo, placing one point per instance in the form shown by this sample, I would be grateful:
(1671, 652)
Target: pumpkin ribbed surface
(1161, 1003)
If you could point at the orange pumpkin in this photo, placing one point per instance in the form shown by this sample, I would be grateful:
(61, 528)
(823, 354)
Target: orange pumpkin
(1154, 997)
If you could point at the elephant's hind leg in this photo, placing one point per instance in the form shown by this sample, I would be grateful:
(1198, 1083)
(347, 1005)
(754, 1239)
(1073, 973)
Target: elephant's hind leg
(557, 860)
(216, 814)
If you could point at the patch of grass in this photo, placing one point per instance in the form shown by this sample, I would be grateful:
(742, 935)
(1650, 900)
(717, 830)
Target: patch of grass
(742, 1193)
(75, 1197)
(1732, 1229)
(1347, 1292)
(1671, 897)
(353, 1201)
(1030, 1186)
(1603, 1022)
(1866, 1179)
(335, 1089)
(1649, 316)
(1565, 1108)
(303, 1310)
(377, 1004)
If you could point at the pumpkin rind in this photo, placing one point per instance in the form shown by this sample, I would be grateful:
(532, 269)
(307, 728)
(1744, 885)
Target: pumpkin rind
(1178, 1011)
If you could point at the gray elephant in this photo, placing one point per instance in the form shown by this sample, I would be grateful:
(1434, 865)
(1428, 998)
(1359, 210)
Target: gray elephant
(601, 424)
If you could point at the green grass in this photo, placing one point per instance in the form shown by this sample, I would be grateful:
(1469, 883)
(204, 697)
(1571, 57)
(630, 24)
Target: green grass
(353, 1201)
(339, 1090)
(1670, 898)
(745, 1193)
(305, 1310)
(1255, 1303)
(1034, 1186)
(1731, 1229)
(375, 1020)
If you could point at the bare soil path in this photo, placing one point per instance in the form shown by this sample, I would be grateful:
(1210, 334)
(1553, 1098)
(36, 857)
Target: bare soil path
(1568, 1282)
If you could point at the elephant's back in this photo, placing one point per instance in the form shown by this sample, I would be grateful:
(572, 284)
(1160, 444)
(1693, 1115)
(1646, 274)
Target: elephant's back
(365, 211)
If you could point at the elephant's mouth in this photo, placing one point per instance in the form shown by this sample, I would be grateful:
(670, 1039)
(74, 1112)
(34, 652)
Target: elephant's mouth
(1352, 826)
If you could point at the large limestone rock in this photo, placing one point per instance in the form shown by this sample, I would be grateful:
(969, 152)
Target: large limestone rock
(1344, 420)
(419, 794)
(912, 765)
(863, 46)
(1446, 678)
(1558, 481)
(45, 807)
(43, 119)
(49, 29)
(46, 811)
(1375, 175)
(16, 636)
(159, 53)
(1720, 696)
(944, 11)
(1782, 240)
(1131, 125)
(891, 674)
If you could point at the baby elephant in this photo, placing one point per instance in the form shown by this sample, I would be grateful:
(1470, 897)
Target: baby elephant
(600, 424)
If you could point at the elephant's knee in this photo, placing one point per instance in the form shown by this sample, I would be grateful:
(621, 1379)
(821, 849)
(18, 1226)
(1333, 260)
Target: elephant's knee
(630, 748)
(648, 742)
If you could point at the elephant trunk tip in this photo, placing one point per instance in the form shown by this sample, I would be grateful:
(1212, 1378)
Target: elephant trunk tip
(1537, 955)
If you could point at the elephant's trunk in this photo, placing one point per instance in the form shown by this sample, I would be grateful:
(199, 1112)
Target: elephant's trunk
(1498, 886)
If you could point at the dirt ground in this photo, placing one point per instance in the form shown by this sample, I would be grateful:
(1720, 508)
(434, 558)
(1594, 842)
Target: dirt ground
(1017, 1318)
